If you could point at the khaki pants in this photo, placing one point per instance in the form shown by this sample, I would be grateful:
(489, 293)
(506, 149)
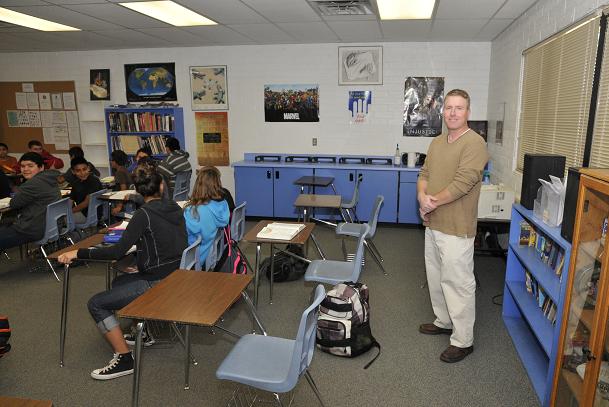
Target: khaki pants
(449, 261)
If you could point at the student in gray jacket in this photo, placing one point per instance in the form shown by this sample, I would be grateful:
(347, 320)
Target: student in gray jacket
(176, 161)
(31, 199)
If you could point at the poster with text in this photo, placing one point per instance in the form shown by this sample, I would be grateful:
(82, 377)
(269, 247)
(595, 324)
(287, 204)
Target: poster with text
(291, 103)
(423, 103)
(212, 138)
(359, 105)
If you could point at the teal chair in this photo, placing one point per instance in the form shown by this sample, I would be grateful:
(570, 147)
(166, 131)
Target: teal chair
(275, 364)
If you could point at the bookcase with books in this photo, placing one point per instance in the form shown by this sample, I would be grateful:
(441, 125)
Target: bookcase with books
(534, 292)
(582, 369)
(130, 129)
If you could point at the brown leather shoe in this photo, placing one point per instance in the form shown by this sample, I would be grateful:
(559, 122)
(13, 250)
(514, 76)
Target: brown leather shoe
(431, 329)
(454, 354)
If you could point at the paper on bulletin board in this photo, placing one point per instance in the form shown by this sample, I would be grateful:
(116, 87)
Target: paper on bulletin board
(74, 133)
(47, 118)
(48, 135)
(27, 87)
(212, 138)
(24, 118)
(62, 139)
(34, 116)
(21, 100)
(12, 117)
(32, 101)
(59, 118)
(69, 102)
(72, 118)
(56, 101)
(45, 101)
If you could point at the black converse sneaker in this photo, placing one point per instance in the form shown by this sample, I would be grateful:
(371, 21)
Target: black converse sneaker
(147, 339)
(120, 365)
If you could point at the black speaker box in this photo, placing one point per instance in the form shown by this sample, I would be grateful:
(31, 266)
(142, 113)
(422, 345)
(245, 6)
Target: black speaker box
(538, 166)
(568, 218)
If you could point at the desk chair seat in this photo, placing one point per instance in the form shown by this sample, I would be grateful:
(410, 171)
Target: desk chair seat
(216, 250)
(181, 186)
(92, 210)
(348, 205)
(237, 229)
(190, 256)
(335, 271)
(275, 364)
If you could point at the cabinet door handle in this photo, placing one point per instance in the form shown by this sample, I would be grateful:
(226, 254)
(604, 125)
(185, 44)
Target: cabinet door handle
(268, 174)
(351, 177)
(276, 174)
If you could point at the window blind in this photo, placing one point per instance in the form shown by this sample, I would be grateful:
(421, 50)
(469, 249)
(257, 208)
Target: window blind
(599, 153)
(556, 92)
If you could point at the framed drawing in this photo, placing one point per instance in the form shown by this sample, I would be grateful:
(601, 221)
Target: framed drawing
(360, 65)
(99, 84)
(151, 82)
(208, 86)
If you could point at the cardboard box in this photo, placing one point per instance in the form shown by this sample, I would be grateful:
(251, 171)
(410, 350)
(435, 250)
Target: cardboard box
(495, 202)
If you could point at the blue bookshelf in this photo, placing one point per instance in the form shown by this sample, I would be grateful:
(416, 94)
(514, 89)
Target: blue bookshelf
(533, 334)
(149, 124)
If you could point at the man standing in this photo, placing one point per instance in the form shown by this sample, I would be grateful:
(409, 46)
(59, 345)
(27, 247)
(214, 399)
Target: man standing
(176, 161)
(448, 190)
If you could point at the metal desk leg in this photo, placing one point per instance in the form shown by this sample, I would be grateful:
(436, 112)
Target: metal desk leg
(318, 247)
(248, 301)
(187, 369)
(108, 277)
(64, 312)
(256, 282)
(272, 273)
(137, 363)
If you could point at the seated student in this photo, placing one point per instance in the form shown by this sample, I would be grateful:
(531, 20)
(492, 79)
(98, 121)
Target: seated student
(7, 162)
(69, 176)
(157, 229)
(5, 186)
(206, 211)
(122, 177)
(50, 161)
(85, 184)
(31, 199)
(143, 152)
(176, 161)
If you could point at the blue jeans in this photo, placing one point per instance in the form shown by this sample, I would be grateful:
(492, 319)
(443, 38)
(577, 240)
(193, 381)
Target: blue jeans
(9, 237)
(125, 288)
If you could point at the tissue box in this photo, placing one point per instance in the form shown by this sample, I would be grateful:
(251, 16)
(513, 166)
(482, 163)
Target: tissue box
(495, 202)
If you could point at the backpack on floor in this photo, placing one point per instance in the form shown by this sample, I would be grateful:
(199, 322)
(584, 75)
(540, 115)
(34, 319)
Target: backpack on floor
(232, 260)
(343, 326)
(286, 267)
(5, 334)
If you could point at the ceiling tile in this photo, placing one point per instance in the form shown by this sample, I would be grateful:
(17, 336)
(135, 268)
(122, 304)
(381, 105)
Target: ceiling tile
(284, 11)
(18, 43)
(263, 33)
(309, 32)
(411, 30)
(361, 31)
(65, 16)
(225, 11)
(20, 3)
(176, 36)
(493, 28)
(514, 8)
(456, 30)
(220, 35)
(119, 15)
(89, 40)
(134, 39)
(477, 9)
(61, 2)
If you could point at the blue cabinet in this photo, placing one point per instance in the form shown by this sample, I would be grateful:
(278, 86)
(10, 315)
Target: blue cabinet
(375, 182)
(286, 192)
(408, 211)
(255, 185)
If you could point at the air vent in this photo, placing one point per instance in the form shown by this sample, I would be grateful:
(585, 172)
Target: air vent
(342, 7)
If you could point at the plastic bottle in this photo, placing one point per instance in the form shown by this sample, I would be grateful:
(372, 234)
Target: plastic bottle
(397, 158)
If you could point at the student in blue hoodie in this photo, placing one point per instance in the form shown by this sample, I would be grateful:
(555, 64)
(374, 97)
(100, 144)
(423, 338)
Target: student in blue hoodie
(207, 210)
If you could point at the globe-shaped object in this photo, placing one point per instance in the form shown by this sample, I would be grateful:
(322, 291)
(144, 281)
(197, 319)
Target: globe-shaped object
(155, 81)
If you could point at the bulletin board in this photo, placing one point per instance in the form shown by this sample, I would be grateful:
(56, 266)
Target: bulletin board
(43, 111)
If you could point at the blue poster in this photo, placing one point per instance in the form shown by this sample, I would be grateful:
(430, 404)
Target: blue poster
(359, 105)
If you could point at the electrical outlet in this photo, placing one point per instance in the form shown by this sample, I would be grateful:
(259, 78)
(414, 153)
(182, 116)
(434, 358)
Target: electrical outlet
(314, 141)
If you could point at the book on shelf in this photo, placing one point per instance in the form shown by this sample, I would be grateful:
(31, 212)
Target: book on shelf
(280, 231)
(140, 121)
(525, 233)
(130, 143)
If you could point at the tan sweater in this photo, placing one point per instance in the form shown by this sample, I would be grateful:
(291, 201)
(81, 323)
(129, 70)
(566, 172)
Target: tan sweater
(458, 167)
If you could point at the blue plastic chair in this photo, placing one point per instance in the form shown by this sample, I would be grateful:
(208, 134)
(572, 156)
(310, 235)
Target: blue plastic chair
(56, 211)
(94, 204)
(181, 188)
(237, 223)
(335, 271)
(347, 207)
(190, 256)
(216, 250)
(355, 229)
(275, 364)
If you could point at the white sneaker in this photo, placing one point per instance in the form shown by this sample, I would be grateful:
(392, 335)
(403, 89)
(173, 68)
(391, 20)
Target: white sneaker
(147, 339)
(120, 365)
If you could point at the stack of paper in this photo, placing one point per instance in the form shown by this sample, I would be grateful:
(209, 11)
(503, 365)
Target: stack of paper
(122, 226)
(107, 180)
(280, 231)
(122, 195)
(5, 203)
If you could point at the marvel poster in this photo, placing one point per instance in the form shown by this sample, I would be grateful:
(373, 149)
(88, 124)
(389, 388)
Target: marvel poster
(423, 103)
(291, 103)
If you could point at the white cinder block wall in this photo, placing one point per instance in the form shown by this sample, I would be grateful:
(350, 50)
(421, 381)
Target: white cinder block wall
(542, 20)
(464, 65)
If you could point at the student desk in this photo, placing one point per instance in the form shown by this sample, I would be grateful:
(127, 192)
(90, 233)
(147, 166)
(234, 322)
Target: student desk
(312, 181)
(309, 201)
(19, 402)
(189, 298)
(252, 237)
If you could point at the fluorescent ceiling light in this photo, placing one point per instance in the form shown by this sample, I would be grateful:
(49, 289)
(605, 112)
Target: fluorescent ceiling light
(36, 23)
(169, 12)
(405, 9)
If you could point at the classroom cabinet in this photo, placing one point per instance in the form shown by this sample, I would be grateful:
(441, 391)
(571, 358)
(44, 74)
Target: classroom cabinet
(582, 370)
(375, 183)
(408, 203)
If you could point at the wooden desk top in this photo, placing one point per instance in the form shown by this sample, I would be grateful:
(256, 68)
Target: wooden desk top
(18, 402)
(301, 238)
(88, 242)
(109, 196)
(314, 181)
(318, 201)
(189, 297)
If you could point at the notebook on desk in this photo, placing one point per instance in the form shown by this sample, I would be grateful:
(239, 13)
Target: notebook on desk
(5, 203)
(280, 231)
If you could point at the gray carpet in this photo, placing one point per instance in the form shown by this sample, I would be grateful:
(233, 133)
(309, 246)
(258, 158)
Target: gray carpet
(408, 373)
